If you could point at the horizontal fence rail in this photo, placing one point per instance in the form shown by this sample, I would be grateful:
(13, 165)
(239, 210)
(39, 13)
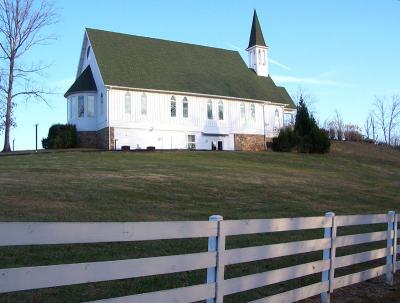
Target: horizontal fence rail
(215, 260)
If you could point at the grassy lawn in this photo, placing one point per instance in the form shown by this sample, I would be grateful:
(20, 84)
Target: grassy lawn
(157, 186)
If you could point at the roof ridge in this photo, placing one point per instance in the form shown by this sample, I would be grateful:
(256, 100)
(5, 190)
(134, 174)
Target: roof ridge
(162, 40)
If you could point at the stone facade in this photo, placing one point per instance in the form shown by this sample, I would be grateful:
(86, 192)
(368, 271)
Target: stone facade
(87, 139)
(249, 142)
(102, 139)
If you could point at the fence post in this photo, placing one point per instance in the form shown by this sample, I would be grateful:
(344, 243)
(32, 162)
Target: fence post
(395, 243)
(390, 257)
(329, 254)
(212, 272)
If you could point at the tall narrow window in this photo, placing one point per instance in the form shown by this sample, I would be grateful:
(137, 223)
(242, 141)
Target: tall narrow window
(90, 106)
(185, 107)
(209, 110)
(277, 123)
(253, 111)
(74, 108)
(264, 57)
(173, 106)
(143, 104)
(69, 108)
(259, 56)
(127, 103)
(81, 106)
(101, 104)
(220, 110)
(242, 111)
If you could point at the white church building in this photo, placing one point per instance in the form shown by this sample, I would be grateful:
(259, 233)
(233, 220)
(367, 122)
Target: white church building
(144, 92)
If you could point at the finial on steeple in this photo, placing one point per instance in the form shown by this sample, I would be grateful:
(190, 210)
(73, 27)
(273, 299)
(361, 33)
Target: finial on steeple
(256, 36)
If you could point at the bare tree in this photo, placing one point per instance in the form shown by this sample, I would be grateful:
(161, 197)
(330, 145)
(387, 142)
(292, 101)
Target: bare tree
(338, 122)
(393, 116)
(21, 25)
(387, 115)
(370, 127)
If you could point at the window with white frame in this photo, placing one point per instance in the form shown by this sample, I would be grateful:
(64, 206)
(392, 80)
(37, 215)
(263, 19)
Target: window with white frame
(220, 110)
(81, 106)
(209, 110)
(253, 111)
(185, 108)
(101, 104)
(69, 108)
(264, 57)
(143, 104)
(90, 106)
(173, 106)
(128, 103)
(74, 107)
(277, 122)
(242, 111)
(191, 142)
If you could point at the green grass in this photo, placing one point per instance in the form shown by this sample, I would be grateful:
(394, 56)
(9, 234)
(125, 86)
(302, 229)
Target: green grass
(158, 186)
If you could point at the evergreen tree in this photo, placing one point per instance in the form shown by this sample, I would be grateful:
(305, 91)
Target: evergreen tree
(306, 137)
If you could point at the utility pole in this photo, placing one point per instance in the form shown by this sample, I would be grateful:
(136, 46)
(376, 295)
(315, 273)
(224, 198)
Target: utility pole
(13, 144)
(36, 126)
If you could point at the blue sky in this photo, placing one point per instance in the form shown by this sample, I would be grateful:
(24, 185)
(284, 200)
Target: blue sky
(342, 52)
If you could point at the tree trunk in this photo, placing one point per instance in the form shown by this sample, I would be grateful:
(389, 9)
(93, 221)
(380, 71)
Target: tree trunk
(7, 147)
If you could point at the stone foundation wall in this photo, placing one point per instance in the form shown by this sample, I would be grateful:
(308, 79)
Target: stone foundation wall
(105, 138)
(87, 139)
(102, 139)
(249, 142)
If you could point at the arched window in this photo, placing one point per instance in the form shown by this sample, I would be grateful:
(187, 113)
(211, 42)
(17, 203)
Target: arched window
(242, 111)
(143, 104)
(101, 104)
(127, 103)
(220, 110)
(259, 56)
(277, 122)
(253, 111)
(264, 57)
(173, 106)
(185, 107)
(209, 110)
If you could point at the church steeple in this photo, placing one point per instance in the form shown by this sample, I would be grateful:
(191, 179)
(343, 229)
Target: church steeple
(256, 35)
(257, 49)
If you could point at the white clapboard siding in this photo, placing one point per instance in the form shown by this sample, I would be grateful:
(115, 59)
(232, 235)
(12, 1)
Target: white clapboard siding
(177, 295)
(361, 238)
(244, 283)
(244, 227)
(360, 219)
(24, 278)
(360, 276)
(360, 257)
(62, 233)
(296, 294)
(249, 254)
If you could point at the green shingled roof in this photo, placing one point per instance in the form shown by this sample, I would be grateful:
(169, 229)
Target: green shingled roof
(285, 95)
(84, 83)
(256, 35)
(147, 63)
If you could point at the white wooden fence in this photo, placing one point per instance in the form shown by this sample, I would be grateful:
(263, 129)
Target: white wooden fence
(215, 260)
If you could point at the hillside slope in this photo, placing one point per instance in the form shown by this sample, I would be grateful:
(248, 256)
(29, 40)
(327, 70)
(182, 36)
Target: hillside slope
(76, 186)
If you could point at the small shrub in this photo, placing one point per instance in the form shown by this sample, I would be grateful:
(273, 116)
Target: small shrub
(60, 136)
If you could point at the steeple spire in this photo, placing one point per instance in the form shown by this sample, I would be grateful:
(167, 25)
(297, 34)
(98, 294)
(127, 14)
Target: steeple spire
(256, 36)
(257, 49)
